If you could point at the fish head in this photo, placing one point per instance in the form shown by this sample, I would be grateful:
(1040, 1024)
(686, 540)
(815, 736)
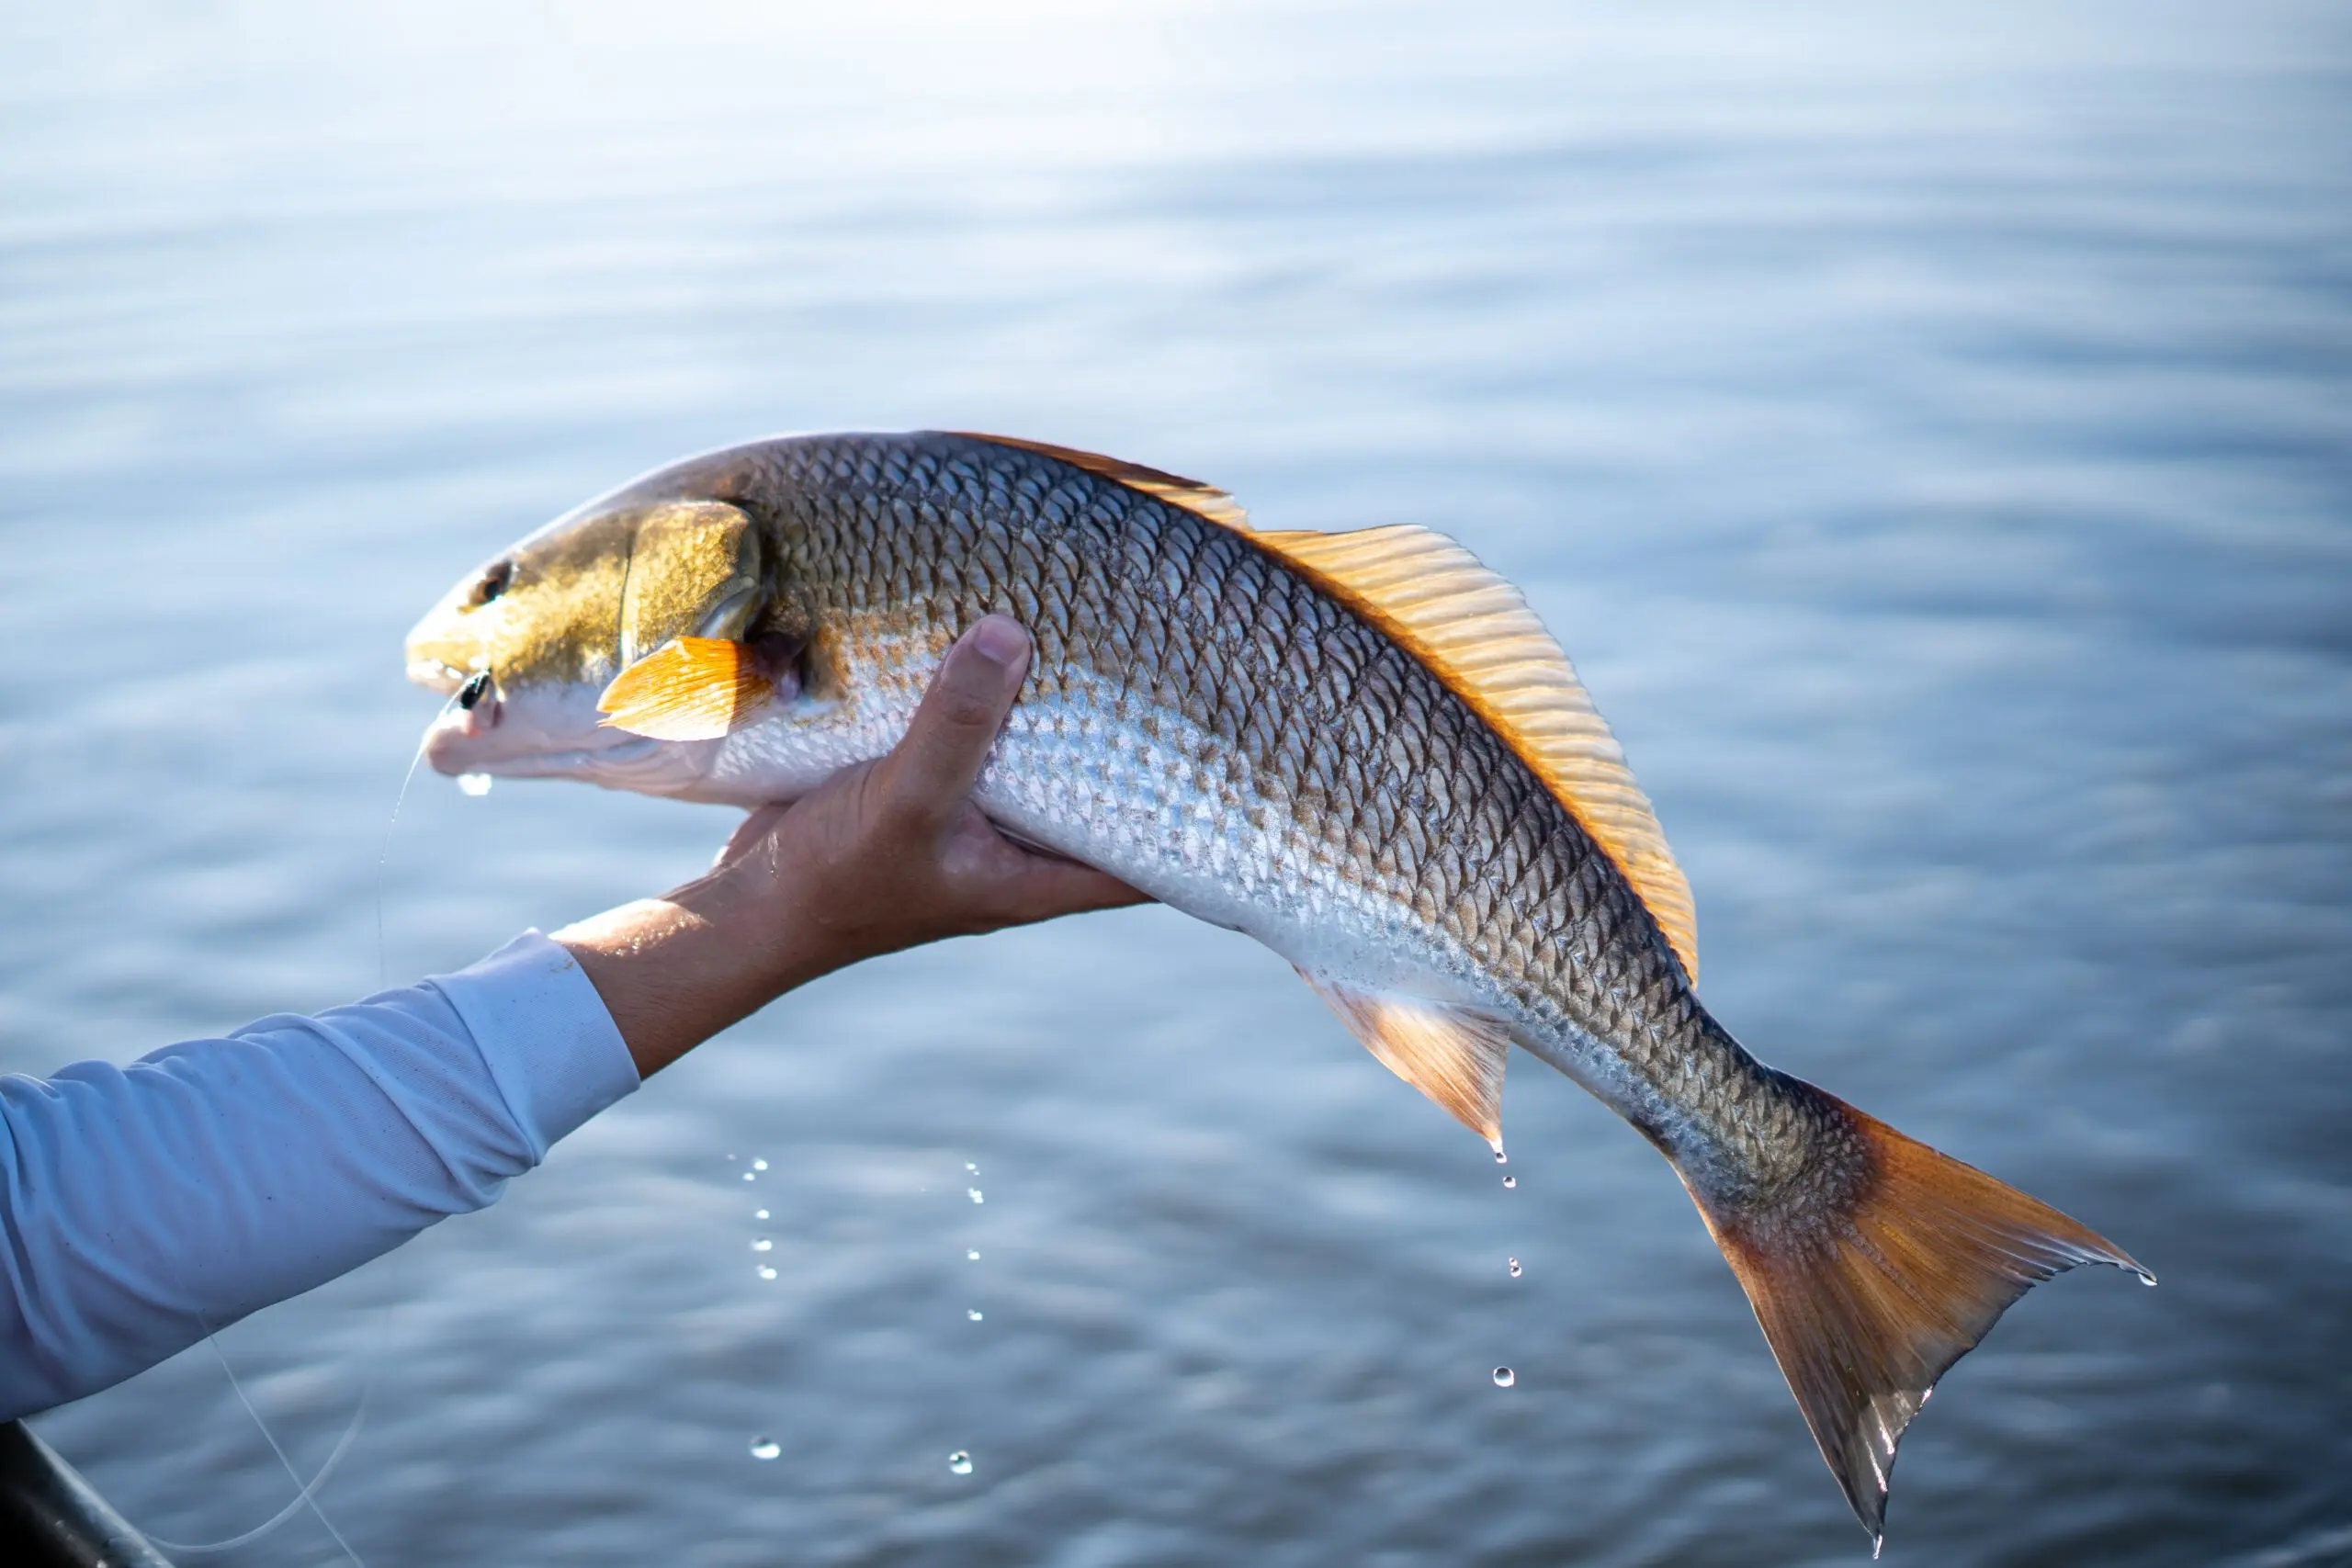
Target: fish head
(528, 641)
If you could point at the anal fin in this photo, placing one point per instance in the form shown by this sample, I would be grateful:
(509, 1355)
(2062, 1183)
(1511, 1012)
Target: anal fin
(1452, 1054)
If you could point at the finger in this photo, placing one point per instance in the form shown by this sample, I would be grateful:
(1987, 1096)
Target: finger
(932, 768)
(1049, 887)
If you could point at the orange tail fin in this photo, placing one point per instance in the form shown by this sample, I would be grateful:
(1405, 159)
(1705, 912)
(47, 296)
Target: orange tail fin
(1881, 1277)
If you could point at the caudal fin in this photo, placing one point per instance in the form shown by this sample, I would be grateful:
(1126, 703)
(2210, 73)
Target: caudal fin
(1878, 1278)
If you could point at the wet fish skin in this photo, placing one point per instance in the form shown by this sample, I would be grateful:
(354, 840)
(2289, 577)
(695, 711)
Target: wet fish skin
(1216, 726)
(1286, 720)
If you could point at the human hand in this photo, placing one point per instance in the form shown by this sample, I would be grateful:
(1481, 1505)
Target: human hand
(893, 854)
(882, 856)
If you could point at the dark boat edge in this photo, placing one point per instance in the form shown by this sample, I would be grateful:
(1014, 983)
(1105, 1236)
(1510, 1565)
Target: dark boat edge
(51, 1517)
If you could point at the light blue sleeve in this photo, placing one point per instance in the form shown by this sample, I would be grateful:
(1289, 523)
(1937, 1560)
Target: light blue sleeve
(141, 1205)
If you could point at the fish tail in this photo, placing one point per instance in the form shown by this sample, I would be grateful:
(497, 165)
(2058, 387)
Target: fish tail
(1873, 1267)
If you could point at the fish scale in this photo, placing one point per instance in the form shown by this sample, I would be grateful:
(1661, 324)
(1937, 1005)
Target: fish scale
(1358, 749)
(1035, 534)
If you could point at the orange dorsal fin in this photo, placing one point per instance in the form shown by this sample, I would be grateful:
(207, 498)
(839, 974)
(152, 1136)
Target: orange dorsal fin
(1474, 632)
(1204, 500)
(691, 688)
(1452, 1053)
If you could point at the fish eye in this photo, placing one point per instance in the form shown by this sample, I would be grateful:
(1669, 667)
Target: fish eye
(493, 583)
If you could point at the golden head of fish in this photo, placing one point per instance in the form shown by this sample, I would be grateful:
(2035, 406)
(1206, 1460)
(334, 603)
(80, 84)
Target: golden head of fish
(530, 641)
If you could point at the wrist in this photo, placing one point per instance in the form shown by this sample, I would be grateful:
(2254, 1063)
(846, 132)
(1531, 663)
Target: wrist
(675, 970)
(758, 931)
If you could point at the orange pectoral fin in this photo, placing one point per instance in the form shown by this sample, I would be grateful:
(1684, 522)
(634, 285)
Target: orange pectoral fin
(694, 688)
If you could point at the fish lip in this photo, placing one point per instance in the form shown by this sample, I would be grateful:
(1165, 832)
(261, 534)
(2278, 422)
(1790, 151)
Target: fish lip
(454, 748)
(437, 675)
(551, 764)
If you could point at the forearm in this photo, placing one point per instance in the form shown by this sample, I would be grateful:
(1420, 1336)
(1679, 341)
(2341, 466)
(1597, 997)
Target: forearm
(141, 1207)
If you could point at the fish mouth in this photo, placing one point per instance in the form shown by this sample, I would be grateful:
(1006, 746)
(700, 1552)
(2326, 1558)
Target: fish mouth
(580, 762)
(543, 732)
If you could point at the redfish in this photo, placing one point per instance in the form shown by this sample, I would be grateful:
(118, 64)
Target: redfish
(1360, 749)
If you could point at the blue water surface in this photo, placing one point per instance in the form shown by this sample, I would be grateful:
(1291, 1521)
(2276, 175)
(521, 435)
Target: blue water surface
(1929, 428)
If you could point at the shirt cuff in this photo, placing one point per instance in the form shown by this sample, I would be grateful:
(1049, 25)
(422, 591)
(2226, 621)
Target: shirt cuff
(550, 1042)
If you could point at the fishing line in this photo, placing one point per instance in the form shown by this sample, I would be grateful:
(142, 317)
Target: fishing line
(458, 699)
(334, 1458)
(309, 1494)
(306, 1493)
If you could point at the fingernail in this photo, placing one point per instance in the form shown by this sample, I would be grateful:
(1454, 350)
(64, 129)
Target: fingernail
(1001, 641)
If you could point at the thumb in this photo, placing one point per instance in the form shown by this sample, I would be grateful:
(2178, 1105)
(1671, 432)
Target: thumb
(932, 768)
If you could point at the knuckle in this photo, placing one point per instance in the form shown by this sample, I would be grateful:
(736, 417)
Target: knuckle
(904, 817)
(877, 794)
(895, 804)
(967, 711)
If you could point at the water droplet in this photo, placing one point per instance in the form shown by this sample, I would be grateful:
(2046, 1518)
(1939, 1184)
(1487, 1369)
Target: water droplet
(1505, 1377)
(475, 784)
(767, 1271)
(1500, 1157)
(974, 1193)
(973, 1252)
(766, 1447)
(973, 1312)
(1510, 1182)
(759, 1165)
(759, 1214)
(960, 1462)
(764, 1245)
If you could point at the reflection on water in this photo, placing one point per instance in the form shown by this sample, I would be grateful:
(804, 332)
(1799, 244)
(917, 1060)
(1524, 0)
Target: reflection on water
(1932, 438)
